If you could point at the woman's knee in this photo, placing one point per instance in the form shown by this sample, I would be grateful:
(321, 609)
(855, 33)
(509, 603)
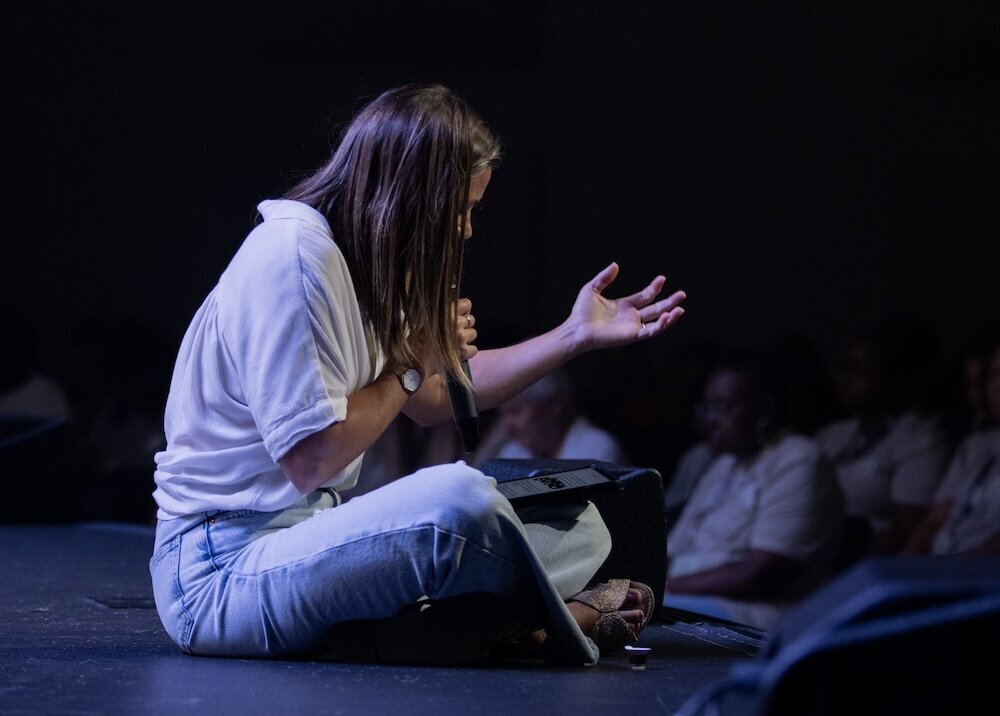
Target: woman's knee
(456, 495)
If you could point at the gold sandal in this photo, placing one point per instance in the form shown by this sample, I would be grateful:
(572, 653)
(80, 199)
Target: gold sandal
(611, 631)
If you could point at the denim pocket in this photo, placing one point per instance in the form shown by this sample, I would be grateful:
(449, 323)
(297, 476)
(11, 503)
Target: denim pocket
(162, 552)
(226, 533)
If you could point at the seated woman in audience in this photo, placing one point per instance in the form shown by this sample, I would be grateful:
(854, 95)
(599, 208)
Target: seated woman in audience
(762, 526)
(965, 517)
(890, 451)
(806, 390)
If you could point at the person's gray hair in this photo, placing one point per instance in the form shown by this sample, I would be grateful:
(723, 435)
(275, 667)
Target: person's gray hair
(555, 384)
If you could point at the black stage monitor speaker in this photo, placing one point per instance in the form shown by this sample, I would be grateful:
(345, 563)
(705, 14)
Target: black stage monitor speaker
(891, 635)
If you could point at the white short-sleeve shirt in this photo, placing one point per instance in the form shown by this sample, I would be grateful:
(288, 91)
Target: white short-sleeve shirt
(269, 358)
(583, 440)
(972, 485)
(785, 501)
(903, 466)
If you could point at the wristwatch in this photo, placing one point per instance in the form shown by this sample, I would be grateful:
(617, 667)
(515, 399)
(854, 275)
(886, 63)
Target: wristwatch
(410, 380)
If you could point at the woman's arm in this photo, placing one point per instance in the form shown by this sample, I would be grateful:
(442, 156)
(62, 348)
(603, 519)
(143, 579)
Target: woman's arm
(760, 575)
(595, 322)
(318, 457)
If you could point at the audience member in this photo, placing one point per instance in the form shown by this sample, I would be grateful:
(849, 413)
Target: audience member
(965, 517)
(763, 524)
(543, 421)
(804, 384)
(890, 450)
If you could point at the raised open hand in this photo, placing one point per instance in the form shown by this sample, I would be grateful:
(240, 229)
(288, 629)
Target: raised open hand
(601, 322)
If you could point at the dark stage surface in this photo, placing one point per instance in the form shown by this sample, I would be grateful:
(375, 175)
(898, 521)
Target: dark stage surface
(79, 635)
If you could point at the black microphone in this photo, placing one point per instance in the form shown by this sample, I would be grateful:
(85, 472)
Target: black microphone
(464, 410)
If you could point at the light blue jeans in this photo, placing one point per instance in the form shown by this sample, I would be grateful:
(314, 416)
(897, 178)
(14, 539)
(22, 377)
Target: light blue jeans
(270, 584)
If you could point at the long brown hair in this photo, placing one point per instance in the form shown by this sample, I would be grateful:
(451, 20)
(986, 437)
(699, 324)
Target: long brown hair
(395, 192)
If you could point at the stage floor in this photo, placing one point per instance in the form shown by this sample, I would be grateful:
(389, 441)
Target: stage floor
(79, 635)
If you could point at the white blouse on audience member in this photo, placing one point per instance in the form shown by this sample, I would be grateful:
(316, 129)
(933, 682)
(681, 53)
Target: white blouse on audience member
(583, 440)
(903, 466)
(784, 501)
(972, 484)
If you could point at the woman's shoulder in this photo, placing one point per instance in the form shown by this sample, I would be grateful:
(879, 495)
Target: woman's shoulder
(292, 239)
(791, 450)
(914, 431)
(796, 444)
(798, 464)
(285, 209)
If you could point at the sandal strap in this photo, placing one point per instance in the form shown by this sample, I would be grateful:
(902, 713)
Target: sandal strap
(606, 597)
(612, 632)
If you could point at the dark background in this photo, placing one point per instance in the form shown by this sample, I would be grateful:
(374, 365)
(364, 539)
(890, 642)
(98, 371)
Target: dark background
(802, 169)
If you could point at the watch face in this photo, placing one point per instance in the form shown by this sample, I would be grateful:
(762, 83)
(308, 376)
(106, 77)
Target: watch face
(411, 380)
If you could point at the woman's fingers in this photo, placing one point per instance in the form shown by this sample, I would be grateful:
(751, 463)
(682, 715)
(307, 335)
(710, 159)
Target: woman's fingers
(654, 310)
(466, 322)
(463, 314)
(603, 279)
